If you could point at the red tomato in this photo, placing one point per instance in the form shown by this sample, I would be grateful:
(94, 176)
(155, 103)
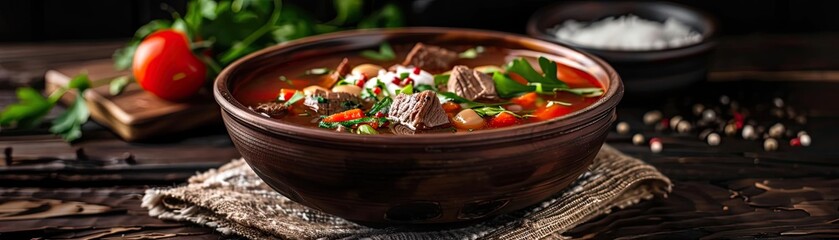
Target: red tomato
(286, 94)
(528, 100)
(503, 119)
(165, 66)
(451, 107)
(576, 78)
(553, 111)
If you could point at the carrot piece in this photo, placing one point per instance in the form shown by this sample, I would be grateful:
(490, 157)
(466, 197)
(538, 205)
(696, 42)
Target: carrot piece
(285, 94)
(503, 119)
(527, 100)
(451, 107)
(553, 111)
(345, 116)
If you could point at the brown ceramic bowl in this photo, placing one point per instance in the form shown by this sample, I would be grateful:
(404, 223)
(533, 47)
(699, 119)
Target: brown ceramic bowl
(431, 178)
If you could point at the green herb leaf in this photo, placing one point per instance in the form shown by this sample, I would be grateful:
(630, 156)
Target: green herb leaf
(317, 71)
(348, 11)
(523, 68)
(493, 111)
(351, 123)
(382, 85)
(118, 85)
(206, 8)
(450, 96)
(385, 53)
(123, 57)
(408, 89)
(388, 16)
(365, 129)
(180, 25)
(507, 87)
(298, 95)
(151, 27)
(585, 92)
(441, 79)
(28, 112)
(548, 69)
(79, 82)
(471, 53)
(404, 75)
(68, 124)
(423, 87)
(380, 106)
(286, 80)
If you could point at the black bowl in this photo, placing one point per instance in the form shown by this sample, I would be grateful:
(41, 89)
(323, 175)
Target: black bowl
(648, 72)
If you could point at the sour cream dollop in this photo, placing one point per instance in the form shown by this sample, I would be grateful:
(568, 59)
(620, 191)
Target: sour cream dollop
(387, 78)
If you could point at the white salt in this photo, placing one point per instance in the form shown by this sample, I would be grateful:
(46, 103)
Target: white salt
(627, 33)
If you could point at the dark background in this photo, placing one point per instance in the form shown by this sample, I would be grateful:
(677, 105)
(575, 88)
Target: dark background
(51, 20)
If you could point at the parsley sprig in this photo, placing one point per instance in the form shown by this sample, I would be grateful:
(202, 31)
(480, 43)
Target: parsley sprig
(32, 107)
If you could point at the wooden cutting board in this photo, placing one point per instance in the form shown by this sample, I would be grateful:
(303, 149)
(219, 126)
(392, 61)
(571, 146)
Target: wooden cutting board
(134, 114)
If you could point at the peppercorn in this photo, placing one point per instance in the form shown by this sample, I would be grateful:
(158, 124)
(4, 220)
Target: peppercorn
(683, 127)
(714, 139)
(622, 128)
(770, 144)
(652, 117)
(776, 130)
(655, 145)
(805, 140)
(748, 132)
(638, 139)
(674, 121)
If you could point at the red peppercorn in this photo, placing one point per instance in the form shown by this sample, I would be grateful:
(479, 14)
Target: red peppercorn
(360, 83)
(795, 142)
(377, 90)
(380, 114)
(396, 80)
(738, 119)
(416, 71)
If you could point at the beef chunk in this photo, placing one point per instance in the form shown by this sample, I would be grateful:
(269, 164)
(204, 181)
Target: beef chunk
(430, 58)
(402, 130)
(271, 109)
(327, 103)
(418, 111)
(471, 84)
(342, 70)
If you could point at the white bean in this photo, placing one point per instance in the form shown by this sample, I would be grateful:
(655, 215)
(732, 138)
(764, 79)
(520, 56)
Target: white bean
(351, 89)
(312, 89)
(370, 70)
(468, 119)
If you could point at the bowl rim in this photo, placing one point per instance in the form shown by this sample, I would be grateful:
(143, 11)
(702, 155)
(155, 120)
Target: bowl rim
(708, 37)
(223, 95)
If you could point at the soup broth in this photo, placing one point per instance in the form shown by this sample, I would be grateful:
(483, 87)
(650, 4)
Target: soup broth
(493, 88)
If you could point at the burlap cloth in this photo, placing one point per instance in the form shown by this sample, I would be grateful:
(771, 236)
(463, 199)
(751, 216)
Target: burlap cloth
(233, 200)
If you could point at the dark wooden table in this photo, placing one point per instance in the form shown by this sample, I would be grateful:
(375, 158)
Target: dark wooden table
(735, 190)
